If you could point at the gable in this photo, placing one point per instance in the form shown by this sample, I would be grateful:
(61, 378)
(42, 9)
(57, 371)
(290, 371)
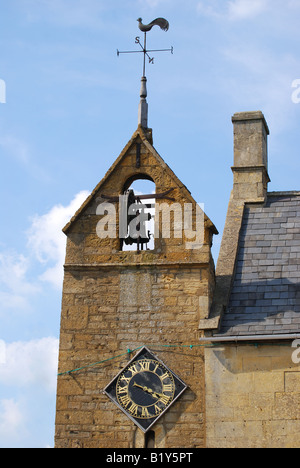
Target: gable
(127, 168)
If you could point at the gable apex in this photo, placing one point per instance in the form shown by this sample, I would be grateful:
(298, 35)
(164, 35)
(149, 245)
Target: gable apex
(144, 137)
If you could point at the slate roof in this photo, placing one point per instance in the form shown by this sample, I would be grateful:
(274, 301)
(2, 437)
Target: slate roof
(265, 294)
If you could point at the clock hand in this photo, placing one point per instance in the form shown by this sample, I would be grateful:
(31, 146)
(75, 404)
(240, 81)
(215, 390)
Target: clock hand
(149, 390)
(158, 395)
(145, 389)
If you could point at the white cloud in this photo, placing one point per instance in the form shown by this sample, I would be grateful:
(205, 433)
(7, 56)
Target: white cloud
(210, 8)
(47, 241)
(15, 288)
(257, 69)
(28, 380)
(31, 362)
(11, 418)
(267, 84)
(46, 244)
(246, 9)
(234, 10)
(152, 3)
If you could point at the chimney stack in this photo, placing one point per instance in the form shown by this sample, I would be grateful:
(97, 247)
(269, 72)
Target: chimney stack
(250, 168)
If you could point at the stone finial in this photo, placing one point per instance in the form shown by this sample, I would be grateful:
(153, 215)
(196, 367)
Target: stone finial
(143, 106)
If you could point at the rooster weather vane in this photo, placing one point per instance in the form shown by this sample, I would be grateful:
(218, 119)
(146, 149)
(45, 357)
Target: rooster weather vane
(132, 210)
(164, 25)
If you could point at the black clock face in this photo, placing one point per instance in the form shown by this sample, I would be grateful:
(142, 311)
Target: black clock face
(145, 389)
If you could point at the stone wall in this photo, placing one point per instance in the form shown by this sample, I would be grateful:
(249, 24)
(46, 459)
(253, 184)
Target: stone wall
(252, 396)
(115, 300)
(108, 311)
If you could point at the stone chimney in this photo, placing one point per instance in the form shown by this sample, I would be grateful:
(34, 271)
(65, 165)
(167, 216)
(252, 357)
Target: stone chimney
(250, 184)
(250, 168)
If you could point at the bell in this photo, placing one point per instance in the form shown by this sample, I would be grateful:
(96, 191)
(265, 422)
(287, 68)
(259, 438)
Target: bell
(137, 225)
(133, 219)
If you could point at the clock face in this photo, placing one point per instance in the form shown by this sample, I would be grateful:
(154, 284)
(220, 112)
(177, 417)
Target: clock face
(145, 389)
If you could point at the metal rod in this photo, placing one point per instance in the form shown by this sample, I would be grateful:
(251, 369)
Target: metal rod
(129, 52)
(226, 339)
(156, 196)
(161, 50)
(142, 51)
(145, 51)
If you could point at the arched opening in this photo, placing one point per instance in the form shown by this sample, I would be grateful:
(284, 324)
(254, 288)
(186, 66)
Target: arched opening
(137, 214)
(141, 179)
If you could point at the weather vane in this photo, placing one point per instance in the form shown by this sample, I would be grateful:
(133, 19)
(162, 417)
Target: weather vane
(164, 25)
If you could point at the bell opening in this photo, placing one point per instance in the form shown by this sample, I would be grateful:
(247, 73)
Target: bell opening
(137, 216)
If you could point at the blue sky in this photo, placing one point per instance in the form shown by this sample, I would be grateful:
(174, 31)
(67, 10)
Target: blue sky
(71, 106)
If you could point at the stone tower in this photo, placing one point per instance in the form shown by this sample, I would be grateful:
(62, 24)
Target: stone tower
(116, 301)
(130, 358)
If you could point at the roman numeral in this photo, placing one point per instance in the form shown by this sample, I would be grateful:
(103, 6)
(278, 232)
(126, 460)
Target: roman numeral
(133, 409)
(165, 399)
(167, 388)
(133, 370)
(125, 400)
(165, 376)
(121, 390)
(145, 412)
(145, 366)
(125, 379)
